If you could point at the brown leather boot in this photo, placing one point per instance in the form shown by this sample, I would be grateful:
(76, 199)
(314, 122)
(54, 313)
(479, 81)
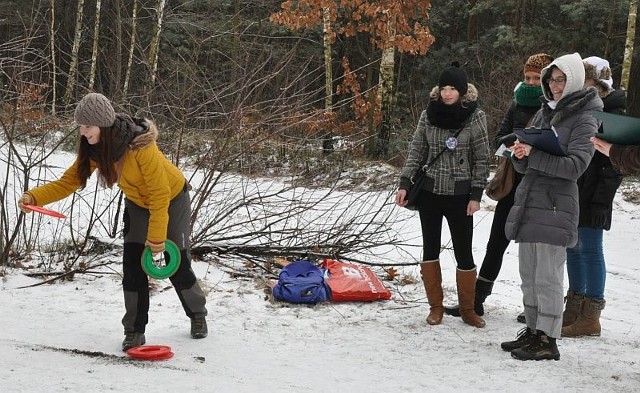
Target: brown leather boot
(466, 281)
(432, 279)
(588, 321)
(571, 307)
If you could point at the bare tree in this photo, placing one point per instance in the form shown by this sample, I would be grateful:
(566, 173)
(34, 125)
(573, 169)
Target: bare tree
(52, 44)
(628, 46)
(155, 42)
(132, 46)
(73, 66)
(94, 51)
(328, 75)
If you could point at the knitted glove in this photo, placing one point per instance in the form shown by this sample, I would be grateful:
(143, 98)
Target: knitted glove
(155, 247)
(25, 199)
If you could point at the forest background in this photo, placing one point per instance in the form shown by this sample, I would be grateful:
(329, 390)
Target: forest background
(304, 89)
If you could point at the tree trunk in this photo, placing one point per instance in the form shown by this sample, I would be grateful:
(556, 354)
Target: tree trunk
(94, 51)
(612, 17)
(328, 75)
(371, 114)
(132, 45)
(628, 45)
(517, 16)
(52, 44)
(155, 42)
(235, 46)
(385, 94)
(71, 79)
(116, 83)
(472, 24)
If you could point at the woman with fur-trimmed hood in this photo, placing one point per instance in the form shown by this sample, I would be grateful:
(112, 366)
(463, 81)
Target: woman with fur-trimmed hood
(544, 217)
(452, 140)
(157, 206)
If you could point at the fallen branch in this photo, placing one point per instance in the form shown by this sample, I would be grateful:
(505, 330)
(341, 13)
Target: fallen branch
(70, 272)
(270, 252)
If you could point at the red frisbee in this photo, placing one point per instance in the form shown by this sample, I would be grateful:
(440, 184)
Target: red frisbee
(42, 210)
(150, 352)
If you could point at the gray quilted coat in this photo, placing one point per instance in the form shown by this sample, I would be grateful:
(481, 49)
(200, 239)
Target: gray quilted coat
(546, 204)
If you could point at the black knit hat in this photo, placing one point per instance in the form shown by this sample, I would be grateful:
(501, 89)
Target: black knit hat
(454, 76)
(95, 110)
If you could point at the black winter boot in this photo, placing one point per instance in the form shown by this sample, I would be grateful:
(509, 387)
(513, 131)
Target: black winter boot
(483, 290)
(524, 337)
(543, 348)
(199, 326)
(132, 339)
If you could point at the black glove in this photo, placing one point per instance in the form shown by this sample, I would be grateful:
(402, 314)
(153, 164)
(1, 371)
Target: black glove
(599, 216)
(507, 140)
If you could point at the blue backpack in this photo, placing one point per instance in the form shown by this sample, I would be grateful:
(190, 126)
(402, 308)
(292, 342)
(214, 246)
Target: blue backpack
(301, 282)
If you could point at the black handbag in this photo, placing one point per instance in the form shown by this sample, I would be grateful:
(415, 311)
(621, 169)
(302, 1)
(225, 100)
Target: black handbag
(417, 183)
(420, 177)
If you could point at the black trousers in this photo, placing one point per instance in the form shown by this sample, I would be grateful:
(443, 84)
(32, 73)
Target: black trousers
(432, 209)
(498, 242)
(135, 282)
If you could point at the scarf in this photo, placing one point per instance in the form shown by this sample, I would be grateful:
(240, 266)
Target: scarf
(124, 129)
(449, 116)
(526, 95)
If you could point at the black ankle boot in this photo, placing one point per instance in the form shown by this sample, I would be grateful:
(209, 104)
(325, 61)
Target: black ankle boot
(524, 337)
(132, 339)
(543, 348)
(199, 326)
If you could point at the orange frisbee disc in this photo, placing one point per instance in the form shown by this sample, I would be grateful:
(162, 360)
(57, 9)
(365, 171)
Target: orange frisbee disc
(150, 352)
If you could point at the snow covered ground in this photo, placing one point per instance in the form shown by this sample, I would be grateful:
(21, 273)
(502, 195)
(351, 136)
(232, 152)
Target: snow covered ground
(66, 336)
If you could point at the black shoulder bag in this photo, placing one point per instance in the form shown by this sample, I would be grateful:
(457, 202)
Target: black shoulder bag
(420, 177)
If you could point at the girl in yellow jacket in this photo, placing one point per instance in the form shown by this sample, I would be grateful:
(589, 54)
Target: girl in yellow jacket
(157, 205)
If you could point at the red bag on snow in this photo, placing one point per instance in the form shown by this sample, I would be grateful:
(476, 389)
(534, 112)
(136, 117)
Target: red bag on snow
(350, 282)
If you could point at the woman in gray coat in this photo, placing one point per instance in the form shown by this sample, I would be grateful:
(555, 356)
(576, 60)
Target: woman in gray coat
(544, 218)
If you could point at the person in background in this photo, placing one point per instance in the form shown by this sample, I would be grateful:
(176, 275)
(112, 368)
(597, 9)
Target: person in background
(157, 206)
(544, 217)
(454, 186)
(526, 102)
(597, 187)
(624, 158)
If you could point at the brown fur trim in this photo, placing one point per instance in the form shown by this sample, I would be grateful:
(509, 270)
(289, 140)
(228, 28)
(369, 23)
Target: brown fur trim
(472, 94)
(146, 139)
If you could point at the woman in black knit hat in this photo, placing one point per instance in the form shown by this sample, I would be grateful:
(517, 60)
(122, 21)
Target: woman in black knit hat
(451, 138)
(157, 206)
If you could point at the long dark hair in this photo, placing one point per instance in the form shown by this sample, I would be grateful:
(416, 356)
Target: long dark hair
(103, 153)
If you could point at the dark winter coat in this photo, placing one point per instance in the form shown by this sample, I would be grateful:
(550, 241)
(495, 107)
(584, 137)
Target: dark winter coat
(599, 183)
(517, 116)
(546, 202)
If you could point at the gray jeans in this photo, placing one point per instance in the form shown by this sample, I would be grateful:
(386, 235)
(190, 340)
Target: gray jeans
(542, 275)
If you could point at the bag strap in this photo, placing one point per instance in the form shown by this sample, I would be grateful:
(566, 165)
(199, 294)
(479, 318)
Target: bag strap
(422, 166)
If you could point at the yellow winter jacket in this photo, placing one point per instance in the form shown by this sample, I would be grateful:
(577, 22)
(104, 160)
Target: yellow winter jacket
(147, 179)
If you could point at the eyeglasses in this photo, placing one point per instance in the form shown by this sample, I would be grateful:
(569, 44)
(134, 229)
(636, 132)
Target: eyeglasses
(557, 80)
